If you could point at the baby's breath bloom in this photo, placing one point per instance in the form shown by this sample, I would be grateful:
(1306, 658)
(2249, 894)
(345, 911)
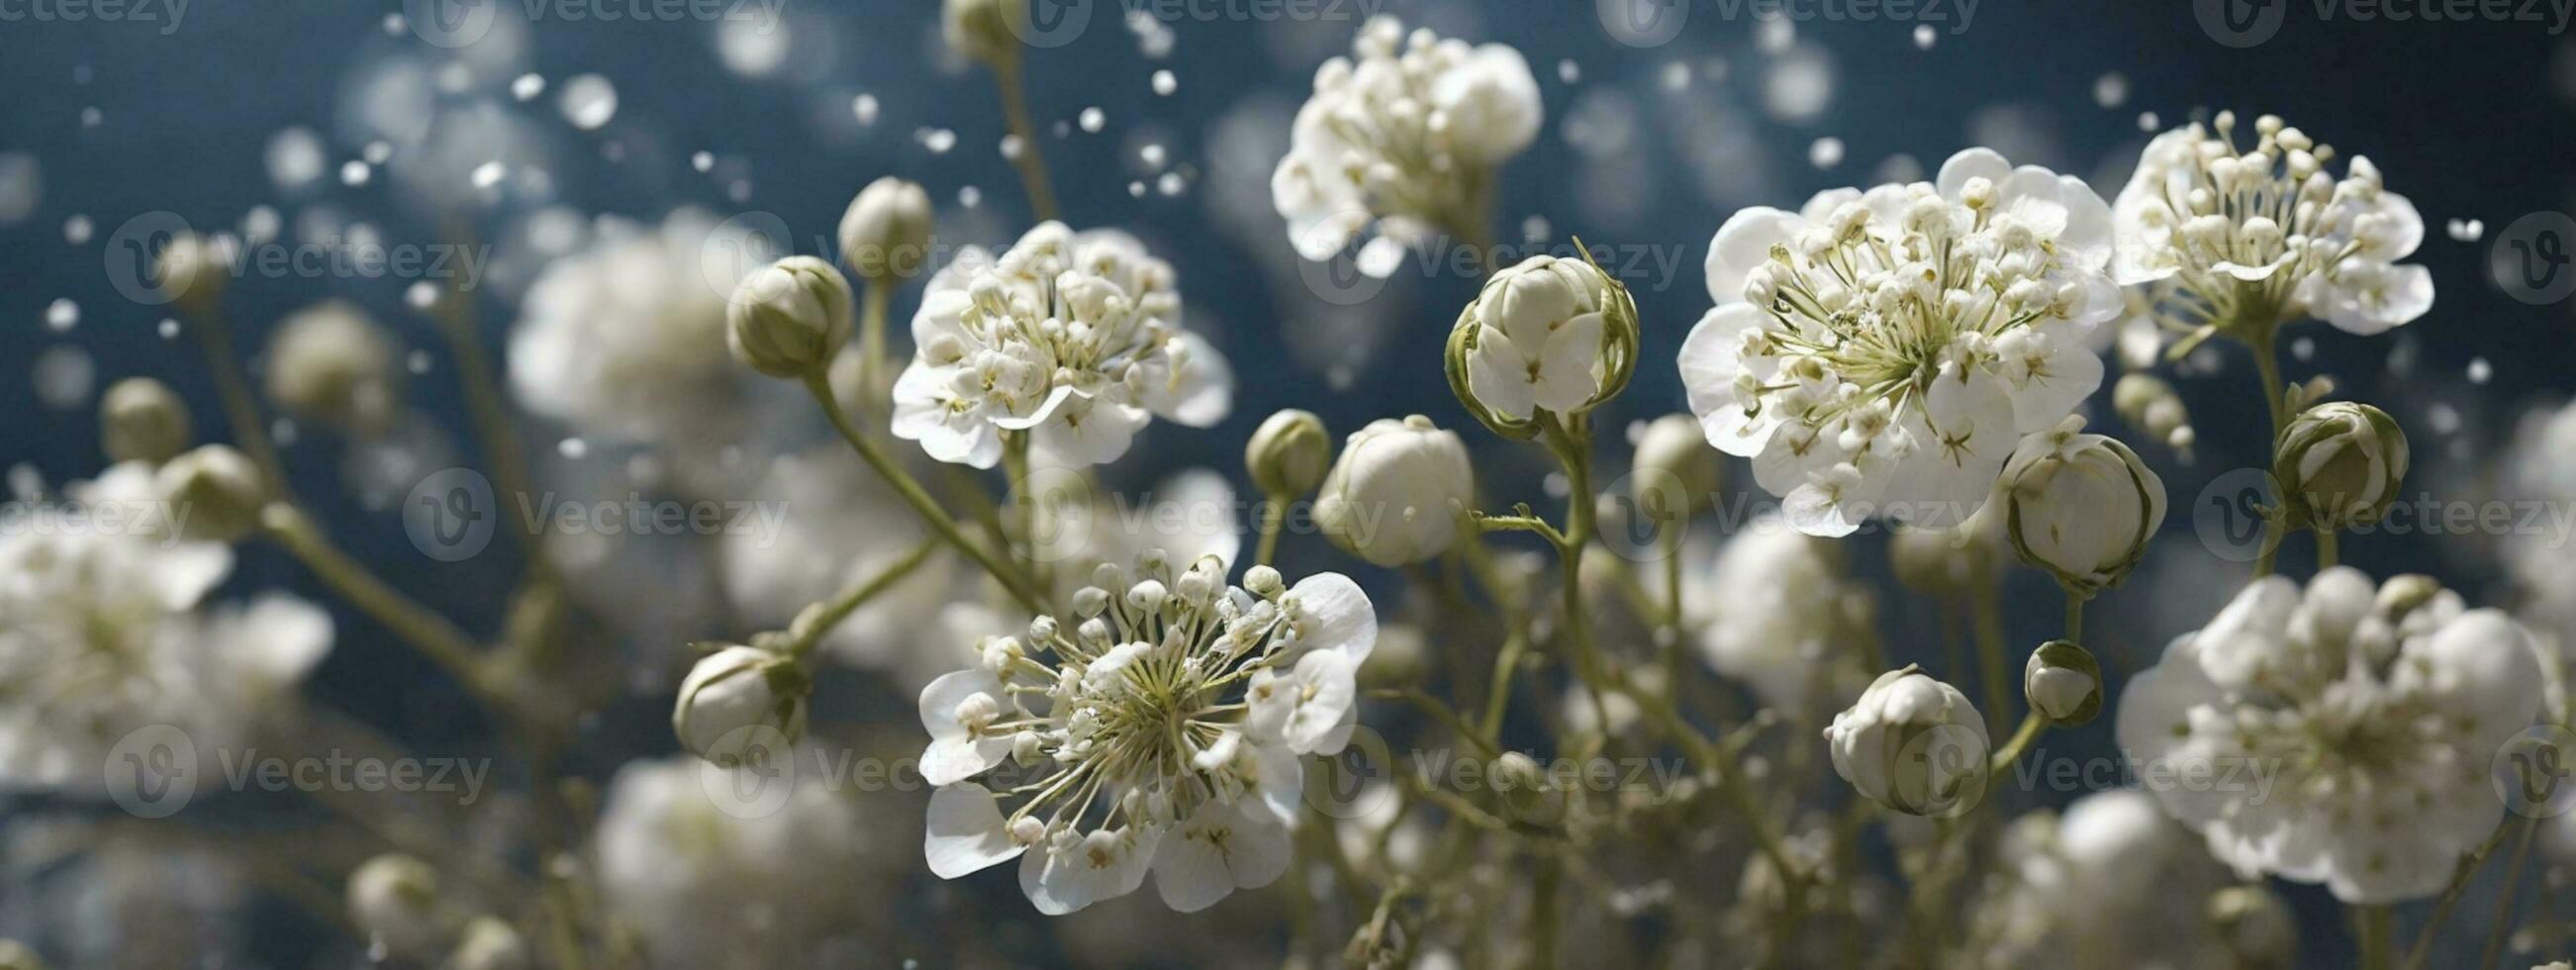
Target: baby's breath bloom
(1913, 744)
(1072, 338)
(1880, 353)
(2380, 711)
(1157, 728)
(1399, 142)
(1395, 495)
(2259, 236)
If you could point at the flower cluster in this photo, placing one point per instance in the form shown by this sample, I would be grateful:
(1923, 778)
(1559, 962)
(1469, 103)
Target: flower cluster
(1880, 353)
(1072, 338)
(2380, 710)
(1160, 732)
(1399, 142)
(2263, 236)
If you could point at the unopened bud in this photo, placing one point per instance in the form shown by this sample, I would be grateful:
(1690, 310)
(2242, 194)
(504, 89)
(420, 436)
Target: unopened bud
(1289, 455)
(787, 319)
(216, 493)
(141, 419)
(2063, 683)
(2343, 462)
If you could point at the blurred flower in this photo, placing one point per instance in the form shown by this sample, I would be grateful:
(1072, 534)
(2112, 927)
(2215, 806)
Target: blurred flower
(394, 902)
(1880, 353)
(705, 883)
(142, 420)
(1137, 728)
(330, 363)
(626, 340)
(885, 234)
(1785, 617)
(2357, 725)
(2266, 236)
(2110, 881)
(1072, 338)
(1400, 140)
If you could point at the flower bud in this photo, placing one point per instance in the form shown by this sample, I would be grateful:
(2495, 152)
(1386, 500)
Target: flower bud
(2081, 506)
(19, 956)
(1675, 453)
(980, 30)
(190, 270)
(1913, 744)
(394, 901)
(1395, 495)
(885, 234)
(2063, 683)
(216, 493)
(330, 364)
(1550, 334)
(2149, 404)
(2342, 463)
(736, 688)
(489, 943)
(1289, 455)
(141, 419)
(787, 319)
(2255, 925)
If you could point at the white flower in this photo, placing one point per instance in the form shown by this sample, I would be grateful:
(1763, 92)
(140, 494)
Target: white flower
(394, 901)
(1172, 711)
(1399, 141)
(1785, 617)
(331, 364)
(2110, 882)
(2375, 713)
(2344, 461)
(1396, 493)
(885, 234)
(2265, 231)
(702, 883)
(626, 341)
(1073, 339)
(1913, 744)
(2081, 506)
(489, 943)
(1187, 516)
(787, 319)
(103, 633)
(1879, 353)
(1547, 334)
(734, 689)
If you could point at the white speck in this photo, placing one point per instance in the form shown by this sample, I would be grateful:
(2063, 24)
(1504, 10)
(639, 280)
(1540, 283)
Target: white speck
(284, 431)
(2303, 349)
(1534, 228)
(938, 140)
(1152, 155)
(489, 174)
(1774, 34)
(738, 190)
(1171, 183)
(1136, 188)
(588, 101)
(751, 46)
(2465, 230)
(2147, 121)
(354, 173)
(970, 196)
(1165, 83)
(1799, 86)
(169, 328)
(377, 152)
(1011, 147)
(1061, 128)
(63, 376)
(702, 161)
(527, 86)
(2444, 418)
(62, 315)
(261, 224)
(2111, 90)
(22, 185)
(395, 24)
(416, 362)
(2480, 371)
(1825, 153)
(91, 118)
(1568, 71)
(865, 107)
(1924, 35)
(1092, 119)
(295, 157)
(572, 448)
(421, 295)
(77, 229)
(1676, 76)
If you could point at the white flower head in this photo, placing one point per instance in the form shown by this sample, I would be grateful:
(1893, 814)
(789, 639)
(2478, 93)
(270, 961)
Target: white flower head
(1550, 334)
(1398, 140)
(2080, 506)
(625, 340)
(1913, 744)
(2359, 722)
(1395, 495)
(1790, 621)
(1072, 338)
(1160, 731)
(1880, 353)
(2266, 231)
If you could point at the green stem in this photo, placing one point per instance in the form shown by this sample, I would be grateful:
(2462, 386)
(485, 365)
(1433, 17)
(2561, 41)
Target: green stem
(2267, 367)
(1986, 607)
(876, 294)
(241, 408)
(2075, 616)
(2504, 906)
(2460, 876)
(2328, 548)
(921, 503)
(2374, 926)
(1015, 112)
(2266, 562)
(436, 638)
(810, 629)
(1274, 514)
(2031, 725)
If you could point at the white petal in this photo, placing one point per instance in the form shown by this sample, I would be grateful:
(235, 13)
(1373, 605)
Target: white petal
(1970, 163)
(1745, 242)
(965, 832)
(1334, 614)
(1498, 375)
(1566, 378)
